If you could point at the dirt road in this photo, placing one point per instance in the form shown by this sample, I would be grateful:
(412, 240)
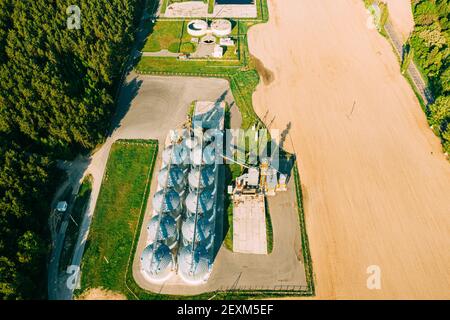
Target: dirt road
(376, 183)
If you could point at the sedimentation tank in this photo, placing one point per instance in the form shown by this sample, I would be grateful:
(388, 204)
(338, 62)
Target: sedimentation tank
(221, 27)
(197, 28)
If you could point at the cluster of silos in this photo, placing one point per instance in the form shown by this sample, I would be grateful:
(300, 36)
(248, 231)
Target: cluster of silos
(180, 234)
(197, 229)
(158, 260)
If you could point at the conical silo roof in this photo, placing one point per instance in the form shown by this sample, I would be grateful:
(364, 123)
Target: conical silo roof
(212, 135)
(166, 201)
(200, 202)
(201, 177)
(175, 154)
(197, 156)
(157, 261)
(167, 228)
(191, 141)
(202, 232)
(193, 267)
(172, 178)
(209, 154)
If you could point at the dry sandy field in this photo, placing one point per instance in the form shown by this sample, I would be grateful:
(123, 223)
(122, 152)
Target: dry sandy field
(376, 184)
(400, 13)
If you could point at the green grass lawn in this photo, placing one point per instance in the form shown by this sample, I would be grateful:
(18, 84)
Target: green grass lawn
(123, 193)
(165, 35)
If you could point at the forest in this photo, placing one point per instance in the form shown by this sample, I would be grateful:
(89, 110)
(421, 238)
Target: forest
(430, 42)
(57, 89)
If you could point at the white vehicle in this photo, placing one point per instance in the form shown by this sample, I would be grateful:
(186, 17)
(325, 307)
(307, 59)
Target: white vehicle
(61, 206)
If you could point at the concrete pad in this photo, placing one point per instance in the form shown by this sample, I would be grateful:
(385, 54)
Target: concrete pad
(200, 9)
(249, 224)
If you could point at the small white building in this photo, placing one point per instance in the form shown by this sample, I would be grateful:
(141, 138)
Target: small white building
(227, 42)
(218, 52)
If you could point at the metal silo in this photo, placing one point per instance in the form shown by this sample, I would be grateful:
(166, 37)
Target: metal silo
(167, 201)
(201, 203)
(172, 177)
(163, 228)
(201, 177)
(175, 154)
(157, 262)
(193, 266)
(202, 232)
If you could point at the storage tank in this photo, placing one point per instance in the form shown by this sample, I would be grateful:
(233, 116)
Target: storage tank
(209, 154)
(167, 227)
(194, 266)
(201, 156)
(175, 154)
(167, 201)
(197, 28)
(203, 231)
(201, 177)
(157, 262)
(221, 27)
(174, 178)
(202, 202)
(212, 135)
(191, 141)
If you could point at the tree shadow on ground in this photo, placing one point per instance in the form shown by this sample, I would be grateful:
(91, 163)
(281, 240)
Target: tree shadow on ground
(129, 91)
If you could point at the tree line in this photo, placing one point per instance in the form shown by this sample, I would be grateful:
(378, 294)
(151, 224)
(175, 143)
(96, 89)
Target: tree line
(57, 89)
(430, 42)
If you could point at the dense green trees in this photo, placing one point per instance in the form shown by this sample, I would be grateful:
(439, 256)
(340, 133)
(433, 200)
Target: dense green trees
(57, 89)
(431, 44)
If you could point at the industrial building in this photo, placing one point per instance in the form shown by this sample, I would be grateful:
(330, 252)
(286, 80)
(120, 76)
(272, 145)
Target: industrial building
(181, 233)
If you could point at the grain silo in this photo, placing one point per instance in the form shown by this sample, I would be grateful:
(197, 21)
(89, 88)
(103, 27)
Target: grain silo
(173, 177)
(198, 233)
(157, 263)
(167, 201)
(175, 154)
(193, 264)
(201, 178)
(163, 228)
(201, 203)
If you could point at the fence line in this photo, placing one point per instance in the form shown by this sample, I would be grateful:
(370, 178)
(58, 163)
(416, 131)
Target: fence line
(272, 288)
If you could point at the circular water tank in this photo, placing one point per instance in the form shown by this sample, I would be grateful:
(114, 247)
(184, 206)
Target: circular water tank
(167, 201)
(175, 154)
(157, 262)
(174, 177)
(203, 231)
(197, 28)
(201, 177)
(168, 232)
(201, 203)
(193, 266)
(221, 27)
